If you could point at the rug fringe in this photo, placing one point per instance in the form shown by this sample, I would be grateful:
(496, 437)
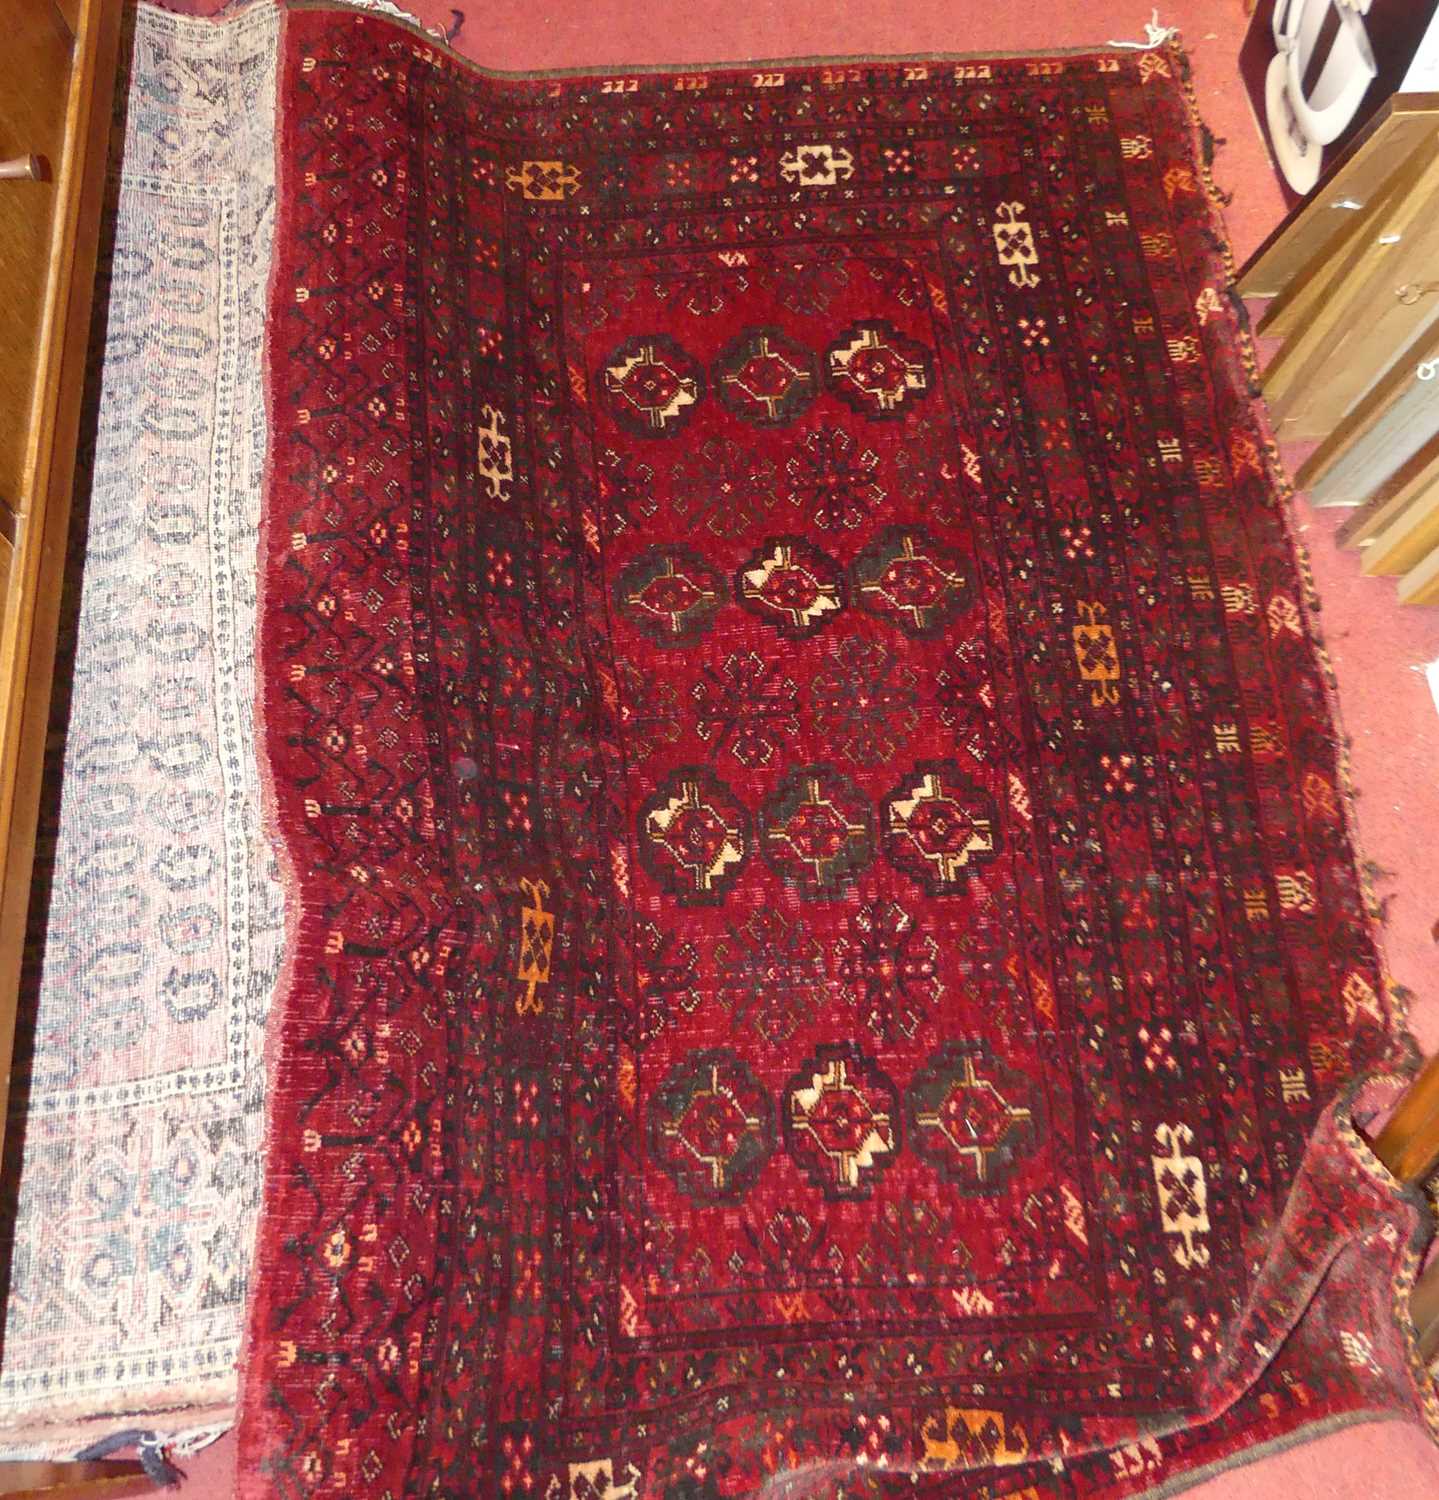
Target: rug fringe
(1227, 275)
(1155, 35)
(396, 12)
(185, 1444)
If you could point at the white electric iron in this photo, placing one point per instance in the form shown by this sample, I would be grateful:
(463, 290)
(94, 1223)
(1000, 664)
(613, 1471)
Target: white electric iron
(1300, 125)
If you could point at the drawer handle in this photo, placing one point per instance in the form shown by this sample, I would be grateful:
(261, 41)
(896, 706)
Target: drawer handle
(27, 168)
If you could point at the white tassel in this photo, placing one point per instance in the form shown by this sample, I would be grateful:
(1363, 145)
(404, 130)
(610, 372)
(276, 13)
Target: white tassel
(183, 1444)
(1155, 35)
(398, 13)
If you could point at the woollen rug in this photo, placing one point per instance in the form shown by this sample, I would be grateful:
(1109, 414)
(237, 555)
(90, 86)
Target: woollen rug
(138, 1102)
(824, 941)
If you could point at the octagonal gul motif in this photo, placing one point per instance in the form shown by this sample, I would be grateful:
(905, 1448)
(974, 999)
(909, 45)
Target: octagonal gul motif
(670, 593)
(694, 836)
(817, 831)
(652, 385)
(970, 1117)
(939, 827)
(841, 1120)
(711, 1125)
(877, 370)
(792, 585)
(766, 378)
(904, 576)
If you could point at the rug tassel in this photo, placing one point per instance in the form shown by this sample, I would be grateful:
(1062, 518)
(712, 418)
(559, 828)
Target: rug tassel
(148, 1448)
(1155, 35)
(1240, 309)
(186, 1444)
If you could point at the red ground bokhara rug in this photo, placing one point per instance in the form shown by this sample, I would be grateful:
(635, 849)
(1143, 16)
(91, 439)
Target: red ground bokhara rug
(825, 923)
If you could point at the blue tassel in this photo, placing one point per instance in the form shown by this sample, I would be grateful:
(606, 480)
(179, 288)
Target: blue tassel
(150, 1450)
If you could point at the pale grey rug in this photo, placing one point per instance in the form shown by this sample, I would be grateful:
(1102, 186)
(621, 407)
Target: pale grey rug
(142, 1132)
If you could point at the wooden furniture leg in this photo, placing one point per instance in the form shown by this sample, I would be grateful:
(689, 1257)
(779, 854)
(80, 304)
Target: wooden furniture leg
(1409, 1143)
(1409, 1146)
(1424, 1307)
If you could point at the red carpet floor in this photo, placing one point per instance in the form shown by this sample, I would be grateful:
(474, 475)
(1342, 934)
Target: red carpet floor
(1378, 650)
